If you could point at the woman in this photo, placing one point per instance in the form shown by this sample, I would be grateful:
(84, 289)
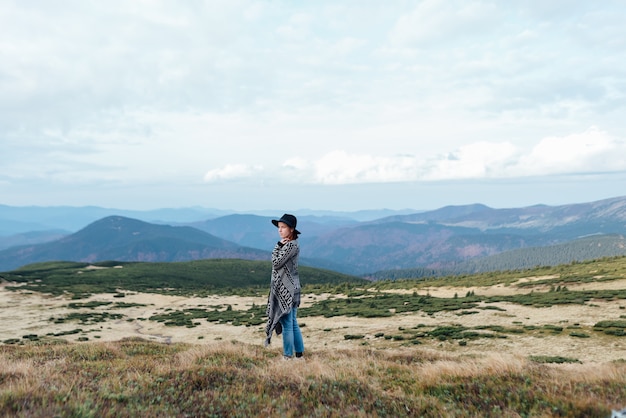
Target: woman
(284, 297)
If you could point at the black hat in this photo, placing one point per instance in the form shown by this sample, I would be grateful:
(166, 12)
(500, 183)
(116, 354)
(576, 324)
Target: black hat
(289, 220)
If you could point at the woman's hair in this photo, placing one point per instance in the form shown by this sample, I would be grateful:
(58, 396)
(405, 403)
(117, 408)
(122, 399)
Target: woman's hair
(292, 233)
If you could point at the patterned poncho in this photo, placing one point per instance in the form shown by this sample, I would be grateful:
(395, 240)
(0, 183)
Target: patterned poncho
(285, 286)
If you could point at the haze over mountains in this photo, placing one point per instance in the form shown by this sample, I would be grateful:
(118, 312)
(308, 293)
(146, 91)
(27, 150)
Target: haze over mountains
(453, 238)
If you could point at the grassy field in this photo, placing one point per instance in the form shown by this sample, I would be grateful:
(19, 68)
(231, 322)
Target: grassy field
(134, 377)
(199, 277)
(545, 342)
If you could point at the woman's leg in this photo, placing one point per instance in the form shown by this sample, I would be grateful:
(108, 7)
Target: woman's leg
(288, 335)
(298, 342)
(292, 336)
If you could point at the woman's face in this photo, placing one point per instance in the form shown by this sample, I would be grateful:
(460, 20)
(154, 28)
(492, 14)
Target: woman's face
(284, 230)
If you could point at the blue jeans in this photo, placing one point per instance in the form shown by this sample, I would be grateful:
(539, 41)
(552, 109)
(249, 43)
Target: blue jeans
(292, 337)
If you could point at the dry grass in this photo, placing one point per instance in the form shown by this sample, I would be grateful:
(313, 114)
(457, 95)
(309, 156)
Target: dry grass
(141, 378)
(136, 367)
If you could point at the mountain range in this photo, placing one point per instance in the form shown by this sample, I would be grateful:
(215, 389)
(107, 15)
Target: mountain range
(464, 238)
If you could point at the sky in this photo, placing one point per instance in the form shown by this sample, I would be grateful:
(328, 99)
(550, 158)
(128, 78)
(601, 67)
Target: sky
(327, 105)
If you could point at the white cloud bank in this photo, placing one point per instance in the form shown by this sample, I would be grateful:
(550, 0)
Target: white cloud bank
(590, 152)
(137, 103)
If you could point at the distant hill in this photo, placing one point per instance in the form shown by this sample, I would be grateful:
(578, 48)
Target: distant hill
(125, 239)
(186, 278)
(569, 220)
(14, 219)
(587, 248)
(32, 237)
(258, 232)
(373, 247)
(445, 239)
(583, 249)
(21, 219)
(444, 214)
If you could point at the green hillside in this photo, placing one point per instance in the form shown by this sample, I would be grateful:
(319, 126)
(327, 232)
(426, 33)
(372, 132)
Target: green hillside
(583, 249)
(199, 277)
(580, 250)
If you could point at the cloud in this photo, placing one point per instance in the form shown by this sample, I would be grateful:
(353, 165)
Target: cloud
(436, 21)
(232, 172)
(477, 160)
(296, 164)
(339, 167)
(590, 152)
(313, 93)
